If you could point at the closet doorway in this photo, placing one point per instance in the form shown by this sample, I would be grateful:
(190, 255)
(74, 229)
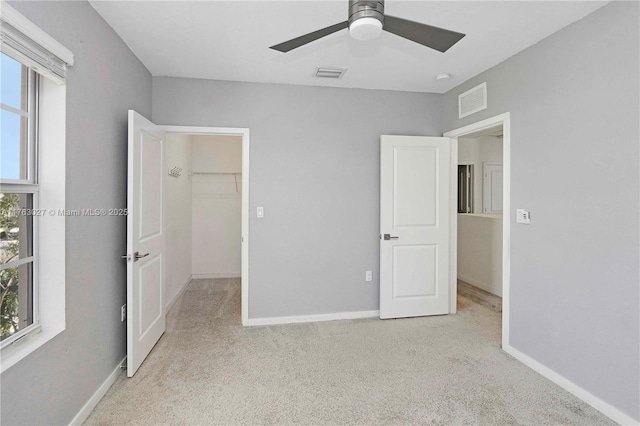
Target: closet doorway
(207, 207)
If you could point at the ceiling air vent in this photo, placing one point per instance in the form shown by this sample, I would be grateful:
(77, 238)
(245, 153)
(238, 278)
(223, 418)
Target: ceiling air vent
(473, 100)
(335, 73)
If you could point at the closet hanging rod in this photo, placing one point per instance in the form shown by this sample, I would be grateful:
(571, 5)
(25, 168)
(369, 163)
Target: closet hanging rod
(215, 173)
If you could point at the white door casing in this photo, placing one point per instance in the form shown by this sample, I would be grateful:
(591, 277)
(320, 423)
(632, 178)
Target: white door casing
(415, 180)
(145, 240)
(492, 191)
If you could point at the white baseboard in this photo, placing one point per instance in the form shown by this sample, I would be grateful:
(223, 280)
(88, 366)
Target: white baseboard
(97, 396)
(311, 318)
(216, 275)
(480, 284)
(173, 301)
(600, 405)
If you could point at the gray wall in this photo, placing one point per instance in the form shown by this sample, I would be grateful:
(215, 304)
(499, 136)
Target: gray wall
(315, 169)
(574, 107)
(52, 384)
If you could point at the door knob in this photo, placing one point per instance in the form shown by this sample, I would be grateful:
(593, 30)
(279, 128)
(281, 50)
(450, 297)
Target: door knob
(137, 256)
(389, 237)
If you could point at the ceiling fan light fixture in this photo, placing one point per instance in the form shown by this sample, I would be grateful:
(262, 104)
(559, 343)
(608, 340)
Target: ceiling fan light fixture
(365, 28)
(367, 20)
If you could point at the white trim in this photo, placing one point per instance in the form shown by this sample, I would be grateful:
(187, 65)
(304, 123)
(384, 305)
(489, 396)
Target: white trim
(605, 408)
(199, 130)
(86, 409)
(311, 318)
(31, 30)
(505, 121)
(173, 301)
(52, 176)
(50, 271)
(216, 275)
(453, 229)
(244, 132)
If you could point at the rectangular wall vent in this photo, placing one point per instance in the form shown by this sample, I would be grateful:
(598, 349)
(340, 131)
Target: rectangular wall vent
(473, 100)
(335, 73)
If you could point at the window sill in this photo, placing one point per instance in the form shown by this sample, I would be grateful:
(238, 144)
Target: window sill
(15, 352)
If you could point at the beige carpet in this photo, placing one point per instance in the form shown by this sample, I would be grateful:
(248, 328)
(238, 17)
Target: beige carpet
(449, 370)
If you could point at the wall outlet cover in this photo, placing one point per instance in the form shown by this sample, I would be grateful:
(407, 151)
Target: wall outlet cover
(523, 216)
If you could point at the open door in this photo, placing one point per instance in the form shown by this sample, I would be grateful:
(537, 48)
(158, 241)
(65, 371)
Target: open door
(492, 190)
(145, 240)
(414, 226)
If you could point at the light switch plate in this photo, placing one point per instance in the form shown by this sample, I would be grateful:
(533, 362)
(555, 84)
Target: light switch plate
(260, 212)
(523, 216)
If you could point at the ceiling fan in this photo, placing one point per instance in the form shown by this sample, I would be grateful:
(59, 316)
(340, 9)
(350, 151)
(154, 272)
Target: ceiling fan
(367, 20)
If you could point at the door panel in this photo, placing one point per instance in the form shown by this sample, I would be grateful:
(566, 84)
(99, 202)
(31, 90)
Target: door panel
(150, 174)
(150, 292)
(410, 262)
(414, 212)
(492, 188)
(415, 169)
(145, 240)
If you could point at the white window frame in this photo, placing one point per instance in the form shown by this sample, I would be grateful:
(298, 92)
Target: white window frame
(28, 186)
(49, 238)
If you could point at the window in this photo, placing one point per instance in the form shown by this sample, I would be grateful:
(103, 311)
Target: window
(32, 186)
(18, 199)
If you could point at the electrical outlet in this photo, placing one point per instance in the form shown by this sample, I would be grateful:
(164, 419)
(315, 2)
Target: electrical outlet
(368, 276)
(123, 312)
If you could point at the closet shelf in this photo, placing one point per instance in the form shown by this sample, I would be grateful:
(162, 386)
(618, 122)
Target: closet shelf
(234, 174)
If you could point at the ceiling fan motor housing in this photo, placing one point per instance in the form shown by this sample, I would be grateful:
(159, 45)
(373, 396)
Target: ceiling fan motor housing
(359, 9)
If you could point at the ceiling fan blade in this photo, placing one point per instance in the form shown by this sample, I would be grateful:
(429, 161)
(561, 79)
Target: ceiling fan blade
(433, 37)
(308, 38)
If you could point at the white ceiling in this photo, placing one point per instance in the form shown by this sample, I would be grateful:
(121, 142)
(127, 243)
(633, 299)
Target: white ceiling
(229, 40)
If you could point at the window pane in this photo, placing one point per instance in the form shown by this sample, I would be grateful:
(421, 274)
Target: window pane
(13, 146)
(16, 227)
(16, 310)
(13, 84)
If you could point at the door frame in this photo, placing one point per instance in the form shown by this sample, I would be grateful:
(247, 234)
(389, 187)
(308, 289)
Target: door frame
(504, 120)
(244, 133)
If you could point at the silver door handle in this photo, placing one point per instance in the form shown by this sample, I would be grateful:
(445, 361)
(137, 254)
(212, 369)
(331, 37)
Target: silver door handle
(389, 237)
(137, 256)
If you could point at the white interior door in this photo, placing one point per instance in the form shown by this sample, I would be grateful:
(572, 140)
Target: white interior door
(414, 226)
(492, 188)
(145, 240)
